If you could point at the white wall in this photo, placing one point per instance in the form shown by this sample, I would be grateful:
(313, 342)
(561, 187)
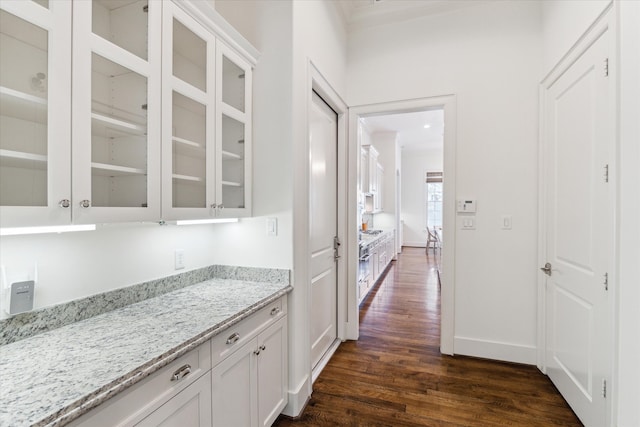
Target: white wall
(413, 210)
(319, 37)
(488, 56)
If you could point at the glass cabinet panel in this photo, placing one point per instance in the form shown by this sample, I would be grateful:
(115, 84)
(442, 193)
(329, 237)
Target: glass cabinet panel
(233, 163)
(189, 56)
(188, 126)
(233, 86)
(118, 135)
(188, 153)
(123, 22)
(23, 112)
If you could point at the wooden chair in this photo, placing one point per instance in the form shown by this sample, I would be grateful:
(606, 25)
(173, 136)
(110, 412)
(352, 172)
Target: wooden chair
(432, 241)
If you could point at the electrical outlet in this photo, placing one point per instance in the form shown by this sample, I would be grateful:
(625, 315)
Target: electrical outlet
(179, 259)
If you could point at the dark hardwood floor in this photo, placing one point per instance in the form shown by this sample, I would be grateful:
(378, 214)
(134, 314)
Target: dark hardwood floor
(394, 375)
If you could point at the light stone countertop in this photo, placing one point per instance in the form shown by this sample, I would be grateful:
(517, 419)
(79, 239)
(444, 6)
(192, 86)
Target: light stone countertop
(368, 239)
(54, 377)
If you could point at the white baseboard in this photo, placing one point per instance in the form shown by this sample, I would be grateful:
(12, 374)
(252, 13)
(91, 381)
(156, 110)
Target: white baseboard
(495, 350)
(298, 399)
(415, 244)
(325, 359)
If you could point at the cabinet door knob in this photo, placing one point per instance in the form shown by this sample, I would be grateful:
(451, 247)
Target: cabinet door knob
(85, 204)
(275, 310)
(182, 372)
(261, 348)
(213, 206)
(220, 206)
(64, 203)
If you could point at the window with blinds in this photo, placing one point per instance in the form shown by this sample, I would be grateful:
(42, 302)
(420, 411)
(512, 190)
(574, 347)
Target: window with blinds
(434, 199)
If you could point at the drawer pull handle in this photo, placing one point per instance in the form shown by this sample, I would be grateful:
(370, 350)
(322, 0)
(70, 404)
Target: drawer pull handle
(275, 310)
(233, 338)
(181, 373)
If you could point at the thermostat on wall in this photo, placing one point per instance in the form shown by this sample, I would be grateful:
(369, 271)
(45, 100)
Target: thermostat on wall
(466, 205)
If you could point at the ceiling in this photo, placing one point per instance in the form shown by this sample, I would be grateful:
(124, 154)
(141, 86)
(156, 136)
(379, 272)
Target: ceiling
(410, 128)
(369, 13)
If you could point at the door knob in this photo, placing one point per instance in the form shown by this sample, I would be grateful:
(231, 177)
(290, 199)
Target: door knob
(546, 269)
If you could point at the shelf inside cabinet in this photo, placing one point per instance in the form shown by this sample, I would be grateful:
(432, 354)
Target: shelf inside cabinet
(230, 156)
(231, 184)
(19, 159)
(187, 147)
(189, 178)
(104, 169)
(117, 124)
(23, 105)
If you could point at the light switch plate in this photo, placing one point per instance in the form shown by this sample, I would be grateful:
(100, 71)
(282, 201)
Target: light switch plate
(272, 226)
(468, 223)
(506, 222)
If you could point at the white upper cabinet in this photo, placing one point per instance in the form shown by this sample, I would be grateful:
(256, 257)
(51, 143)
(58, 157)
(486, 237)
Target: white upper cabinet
(35, 113)
(233, 136)
(188, 124)
(134, 110)
(116, 111)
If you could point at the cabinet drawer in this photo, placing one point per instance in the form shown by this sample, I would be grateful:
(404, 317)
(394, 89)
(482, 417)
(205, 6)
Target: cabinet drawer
(135, 403)
(228, 341)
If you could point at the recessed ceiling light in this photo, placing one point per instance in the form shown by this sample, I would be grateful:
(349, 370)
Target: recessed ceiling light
(427, 126)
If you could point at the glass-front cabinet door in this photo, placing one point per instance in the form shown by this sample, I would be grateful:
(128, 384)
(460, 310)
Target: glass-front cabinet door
(188, 122)
(233, 124)
(116, 110)
(35, 108)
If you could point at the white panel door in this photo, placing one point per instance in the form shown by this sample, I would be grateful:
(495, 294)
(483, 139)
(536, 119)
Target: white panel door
(323, 142)
(579, 216)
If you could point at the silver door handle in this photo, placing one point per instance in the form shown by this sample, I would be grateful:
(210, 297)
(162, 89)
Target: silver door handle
(181, 373)
(546, 269)
(233, 338)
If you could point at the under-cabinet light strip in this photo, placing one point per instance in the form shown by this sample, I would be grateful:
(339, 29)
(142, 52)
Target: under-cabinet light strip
(206, 221)
(14, 231)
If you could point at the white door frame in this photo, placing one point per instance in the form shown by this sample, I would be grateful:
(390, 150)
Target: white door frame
(447, 302)
(322, 87)
(607, 21)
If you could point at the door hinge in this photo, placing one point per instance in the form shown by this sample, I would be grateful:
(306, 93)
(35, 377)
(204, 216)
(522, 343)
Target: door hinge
(604, 388)
(606, 281)
(606, 173)
(606, 67)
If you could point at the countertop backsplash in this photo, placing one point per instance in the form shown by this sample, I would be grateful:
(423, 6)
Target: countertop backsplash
(28, 324)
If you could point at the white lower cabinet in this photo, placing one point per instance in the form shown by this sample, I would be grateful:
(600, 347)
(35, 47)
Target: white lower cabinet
(190, 408)
(249, 386)
(236, 379)
(138, 405)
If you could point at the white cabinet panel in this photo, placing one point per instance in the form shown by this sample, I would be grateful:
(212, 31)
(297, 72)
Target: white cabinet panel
(190, 408)
(35, 114)
(250, 384)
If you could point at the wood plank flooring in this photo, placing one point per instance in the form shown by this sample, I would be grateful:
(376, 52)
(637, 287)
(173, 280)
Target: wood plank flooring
(394, 375)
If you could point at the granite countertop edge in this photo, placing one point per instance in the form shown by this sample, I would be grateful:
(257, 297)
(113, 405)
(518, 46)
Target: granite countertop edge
(83, 405)
(371, 239)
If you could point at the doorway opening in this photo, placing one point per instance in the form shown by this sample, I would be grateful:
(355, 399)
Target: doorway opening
(386, 127)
